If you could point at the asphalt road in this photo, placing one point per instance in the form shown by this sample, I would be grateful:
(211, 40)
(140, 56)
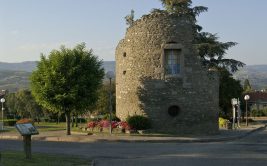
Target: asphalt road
(251, 150)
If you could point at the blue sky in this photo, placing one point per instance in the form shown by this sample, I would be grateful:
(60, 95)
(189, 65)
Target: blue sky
(31, 27)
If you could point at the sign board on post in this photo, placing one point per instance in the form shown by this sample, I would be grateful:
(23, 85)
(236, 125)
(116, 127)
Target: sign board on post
(234, 102)
(27, 130)
(1, 125)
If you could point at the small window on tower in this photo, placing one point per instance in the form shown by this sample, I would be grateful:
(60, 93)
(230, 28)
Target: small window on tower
(172, 61)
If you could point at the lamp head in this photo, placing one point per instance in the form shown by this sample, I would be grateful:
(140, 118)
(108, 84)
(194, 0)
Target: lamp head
(110, 74)
(246, 97)
(3, 100)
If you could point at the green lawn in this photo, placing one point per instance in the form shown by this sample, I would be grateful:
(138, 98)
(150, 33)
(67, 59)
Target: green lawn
(50, 126)
(44, 126)
(8, 129)
(40, 159)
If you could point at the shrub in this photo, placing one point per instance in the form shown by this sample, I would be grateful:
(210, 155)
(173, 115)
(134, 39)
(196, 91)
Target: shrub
(92, 124)
(124, 125)
(113, 117)
(265, 112)
(139, 122)
(103, 124)
(81, 120)
(258, 113)
(222, 122)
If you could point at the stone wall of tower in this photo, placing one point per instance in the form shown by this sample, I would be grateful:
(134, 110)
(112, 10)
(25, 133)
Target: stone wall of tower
(142, 87)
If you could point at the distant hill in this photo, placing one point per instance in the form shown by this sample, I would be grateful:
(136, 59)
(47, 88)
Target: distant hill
(109, 66)
(256, 74)
(14, 80)
(15, 76)
(28, 66)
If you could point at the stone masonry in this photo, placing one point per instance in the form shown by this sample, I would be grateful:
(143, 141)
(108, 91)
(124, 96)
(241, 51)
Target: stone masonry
(186, 103)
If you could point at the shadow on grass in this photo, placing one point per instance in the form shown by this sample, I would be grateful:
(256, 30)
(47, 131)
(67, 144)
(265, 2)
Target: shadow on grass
(12, 158)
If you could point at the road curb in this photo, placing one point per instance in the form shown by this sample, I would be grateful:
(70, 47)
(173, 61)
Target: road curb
(201, 140)
(174, 140)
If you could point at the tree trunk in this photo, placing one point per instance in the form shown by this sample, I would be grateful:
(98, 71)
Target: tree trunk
(68, 123)
(58, 118)
(76, 121)
(72, 120)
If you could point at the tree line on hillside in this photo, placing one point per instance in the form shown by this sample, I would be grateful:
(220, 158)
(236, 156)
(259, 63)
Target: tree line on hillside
(21, 104)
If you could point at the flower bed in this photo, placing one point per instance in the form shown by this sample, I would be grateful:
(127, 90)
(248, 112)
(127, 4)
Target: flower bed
(105, 124)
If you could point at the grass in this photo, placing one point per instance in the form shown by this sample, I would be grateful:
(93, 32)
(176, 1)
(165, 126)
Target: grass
(8, 129)
(41, 159)
(43, 127)
(50, 126)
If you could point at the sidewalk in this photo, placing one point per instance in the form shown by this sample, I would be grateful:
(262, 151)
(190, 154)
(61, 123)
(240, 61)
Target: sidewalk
(225, 135)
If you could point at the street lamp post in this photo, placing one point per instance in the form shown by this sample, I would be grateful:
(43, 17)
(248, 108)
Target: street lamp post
(234, 103)
(246, 99)
(110, 75)
(2, 101)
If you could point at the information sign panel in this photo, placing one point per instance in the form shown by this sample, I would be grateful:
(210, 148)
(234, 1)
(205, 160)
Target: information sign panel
(26, 129)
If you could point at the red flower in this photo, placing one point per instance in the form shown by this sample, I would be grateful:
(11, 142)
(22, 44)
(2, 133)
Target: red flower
(92, 124)
(114, 124)
(124, 125)
(104, 124)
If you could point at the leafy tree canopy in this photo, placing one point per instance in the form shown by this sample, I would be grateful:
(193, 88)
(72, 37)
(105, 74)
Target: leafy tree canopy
(67, 80)
(247, 86)
(229, 88)
(23, 104)
(102, 105)
(211, 51)
(183, 7)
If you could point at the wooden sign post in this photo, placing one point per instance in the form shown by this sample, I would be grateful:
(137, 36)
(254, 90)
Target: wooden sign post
(27, 130)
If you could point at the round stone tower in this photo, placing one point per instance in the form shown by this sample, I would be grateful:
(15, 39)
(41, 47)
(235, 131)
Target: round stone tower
(159, 75)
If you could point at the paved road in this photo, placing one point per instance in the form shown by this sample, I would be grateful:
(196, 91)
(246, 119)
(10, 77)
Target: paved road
(248, 151)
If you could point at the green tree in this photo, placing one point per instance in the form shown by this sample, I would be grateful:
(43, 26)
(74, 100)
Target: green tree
(11, 103)
(211, 51)
(26, 105)
(67, 80)
(183, 7)
(229, 88)
(23, 105)
(102, 105)
(247, 86)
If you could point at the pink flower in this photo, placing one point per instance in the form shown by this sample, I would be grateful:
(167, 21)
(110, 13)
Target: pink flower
(92, 124)
(104, 124)
(124, 125)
